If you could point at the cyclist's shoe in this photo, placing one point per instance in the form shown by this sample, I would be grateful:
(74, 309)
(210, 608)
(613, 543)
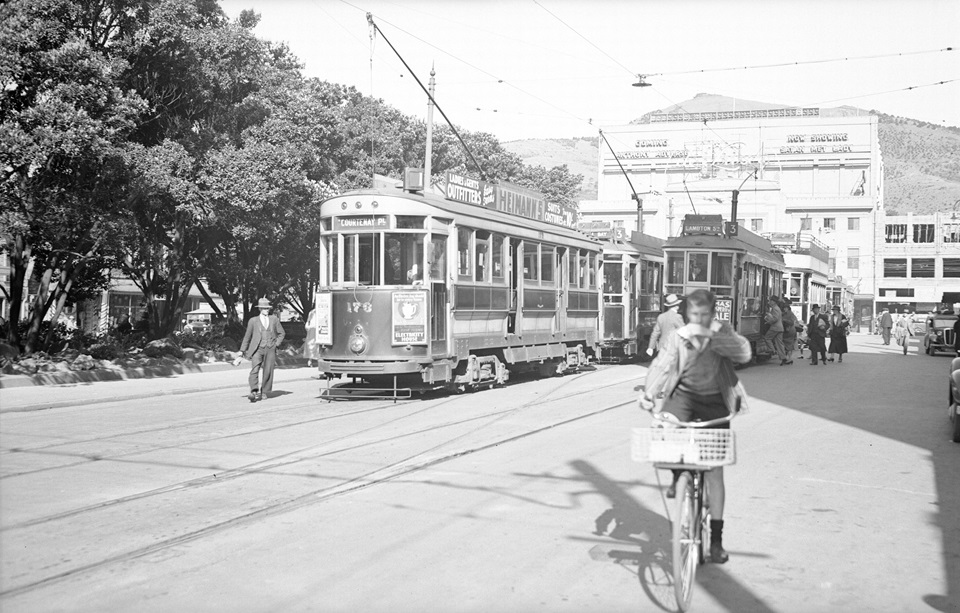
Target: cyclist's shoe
(717, 554)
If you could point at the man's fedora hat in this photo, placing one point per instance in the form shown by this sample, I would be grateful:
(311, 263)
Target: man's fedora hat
(671, 300)
(264, 304)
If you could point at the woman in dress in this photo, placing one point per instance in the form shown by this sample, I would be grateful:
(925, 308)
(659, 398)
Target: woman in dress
(839, 324)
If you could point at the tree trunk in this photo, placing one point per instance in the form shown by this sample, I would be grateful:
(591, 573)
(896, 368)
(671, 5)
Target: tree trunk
(19, 260)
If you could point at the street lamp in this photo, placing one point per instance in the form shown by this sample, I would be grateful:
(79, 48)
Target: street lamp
(641, 81)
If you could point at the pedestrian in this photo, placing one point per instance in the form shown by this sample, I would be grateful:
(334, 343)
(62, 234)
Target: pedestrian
(816, 335)
(773, 337)
(903, 331)
(791, 326)
(667, 322)
(956, 337)
(886, 323)
(838, 327)
(310, 349)
(264, 335)
(695, 374)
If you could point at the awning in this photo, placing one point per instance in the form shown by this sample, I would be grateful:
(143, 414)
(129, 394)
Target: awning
(950, 297)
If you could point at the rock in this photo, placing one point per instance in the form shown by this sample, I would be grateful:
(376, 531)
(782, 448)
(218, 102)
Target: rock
(162, 347)
(190, 354)
(9, 351)
(84, 362)
(28, 365)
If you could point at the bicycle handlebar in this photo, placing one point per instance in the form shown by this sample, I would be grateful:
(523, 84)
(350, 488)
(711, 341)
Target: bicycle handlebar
(672, 420)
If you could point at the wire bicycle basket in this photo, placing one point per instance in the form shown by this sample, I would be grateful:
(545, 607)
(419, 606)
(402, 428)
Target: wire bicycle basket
(704, 447)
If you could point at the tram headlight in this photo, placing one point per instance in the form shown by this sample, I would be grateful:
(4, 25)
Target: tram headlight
(358, 344)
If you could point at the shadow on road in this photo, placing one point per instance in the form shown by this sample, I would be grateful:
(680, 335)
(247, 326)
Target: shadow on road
(880, 390)
(631, 523)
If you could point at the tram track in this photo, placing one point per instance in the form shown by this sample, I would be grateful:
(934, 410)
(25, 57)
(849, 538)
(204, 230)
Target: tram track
(305, 454)
(419, 460)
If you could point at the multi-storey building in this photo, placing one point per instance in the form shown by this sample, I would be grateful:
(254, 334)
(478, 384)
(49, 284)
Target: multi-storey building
(810, 171)
(918, 262)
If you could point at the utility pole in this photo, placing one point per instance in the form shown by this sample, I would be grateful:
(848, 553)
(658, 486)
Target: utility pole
(428, 157)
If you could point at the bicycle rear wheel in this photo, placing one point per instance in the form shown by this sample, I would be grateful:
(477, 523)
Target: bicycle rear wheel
(685, 550)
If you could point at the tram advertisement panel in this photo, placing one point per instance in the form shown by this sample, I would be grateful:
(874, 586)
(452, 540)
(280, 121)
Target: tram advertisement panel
(409, 322)
(724, 308)
(323, 315)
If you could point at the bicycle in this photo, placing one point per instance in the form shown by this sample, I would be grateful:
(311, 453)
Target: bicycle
(693, 449)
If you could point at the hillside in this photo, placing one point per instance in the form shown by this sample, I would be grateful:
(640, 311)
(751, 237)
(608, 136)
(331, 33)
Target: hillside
(921, 160)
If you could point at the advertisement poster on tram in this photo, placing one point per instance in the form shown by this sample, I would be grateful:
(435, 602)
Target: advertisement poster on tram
(324, 310)
(724, 307)
(409, 324)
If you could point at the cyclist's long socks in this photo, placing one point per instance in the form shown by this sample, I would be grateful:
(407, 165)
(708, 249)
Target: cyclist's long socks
(716, 532)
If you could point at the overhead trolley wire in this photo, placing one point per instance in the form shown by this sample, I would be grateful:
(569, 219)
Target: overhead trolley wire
(589, 42)
(800, 63)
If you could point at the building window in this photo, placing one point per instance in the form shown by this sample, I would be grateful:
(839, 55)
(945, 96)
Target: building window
(829, 223)
(922, 268)
(896, 232)
(756, 225)
(853, 261)
(951, 267)
(806, 224)
(923, 233)
(853, 223)
(890, 292)
(832, 263)
(951, 233)
(895, 267)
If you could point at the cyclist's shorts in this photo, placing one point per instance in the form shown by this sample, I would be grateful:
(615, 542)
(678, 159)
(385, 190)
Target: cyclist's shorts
(687, 406)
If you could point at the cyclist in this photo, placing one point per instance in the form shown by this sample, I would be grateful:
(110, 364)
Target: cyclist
(695, 373)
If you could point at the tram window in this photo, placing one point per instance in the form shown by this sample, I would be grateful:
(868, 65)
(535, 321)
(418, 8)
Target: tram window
(650, 285)
(582, 268)
(483, 255)
(410, 222)
(547, 263)
(333, 259)
(464, 236)
(437, 258)
(612, 278)
(531, 261)
(698, 267)
(592, 270)
(369, 259)
(350, 258)
(497, 257)
(675, 269)
(403, 259)
(573, 273)
(722, 273)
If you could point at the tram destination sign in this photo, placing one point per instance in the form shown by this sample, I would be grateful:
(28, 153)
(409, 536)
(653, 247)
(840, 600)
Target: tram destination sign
(702, 224)
(509, 198)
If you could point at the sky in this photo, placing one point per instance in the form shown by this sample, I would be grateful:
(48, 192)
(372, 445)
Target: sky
(562, 68)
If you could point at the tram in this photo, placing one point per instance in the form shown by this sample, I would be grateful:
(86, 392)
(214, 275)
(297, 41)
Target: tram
(743, 271)
(631, 272)
(419, 291)
(805, 276)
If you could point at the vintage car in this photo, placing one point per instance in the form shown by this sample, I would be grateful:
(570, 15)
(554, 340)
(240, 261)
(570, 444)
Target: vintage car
(938, 333)
(954, 399)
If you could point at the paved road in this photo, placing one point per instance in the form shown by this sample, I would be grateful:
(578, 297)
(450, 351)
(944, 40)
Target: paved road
(846, 497)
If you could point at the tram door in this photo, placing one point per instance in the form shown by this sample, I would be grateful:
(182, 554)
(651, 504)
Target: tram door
(562, 280)
(514, 296)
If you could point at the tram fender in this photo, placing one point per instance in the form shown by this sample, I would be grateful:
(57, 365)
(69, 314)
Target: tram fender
(534, 353)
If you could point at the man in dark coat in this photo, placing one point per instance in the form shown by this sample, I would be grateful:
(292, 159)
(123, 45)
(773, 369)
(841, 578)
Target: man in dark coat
(816, 335)
(886, 324)
(264, 335)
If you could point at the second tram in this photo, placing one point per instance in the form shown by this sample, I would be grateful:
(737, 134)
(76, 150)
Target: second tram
(743, 271)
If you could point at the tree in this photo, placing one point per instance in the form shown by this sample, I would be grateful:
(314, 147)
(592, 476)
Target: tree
(63, 125)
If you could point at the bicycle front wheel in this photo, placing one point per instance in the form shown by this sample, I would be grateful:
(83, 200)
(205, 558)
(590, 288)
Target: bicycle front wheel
(685, 550)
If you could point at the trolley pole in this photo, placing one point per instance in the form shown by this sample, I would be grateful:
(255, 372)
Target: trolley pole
(428, 156)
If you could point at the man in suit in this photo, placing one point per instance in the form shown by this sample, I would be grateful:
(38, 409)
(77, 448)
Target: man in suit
(886, 324)
(817, 330)
(264, 335)
(667, 322)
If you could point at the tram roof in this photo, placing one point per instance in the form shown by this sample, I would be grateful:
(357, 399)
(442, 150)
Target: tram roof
(459, 209)
(638, 243)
